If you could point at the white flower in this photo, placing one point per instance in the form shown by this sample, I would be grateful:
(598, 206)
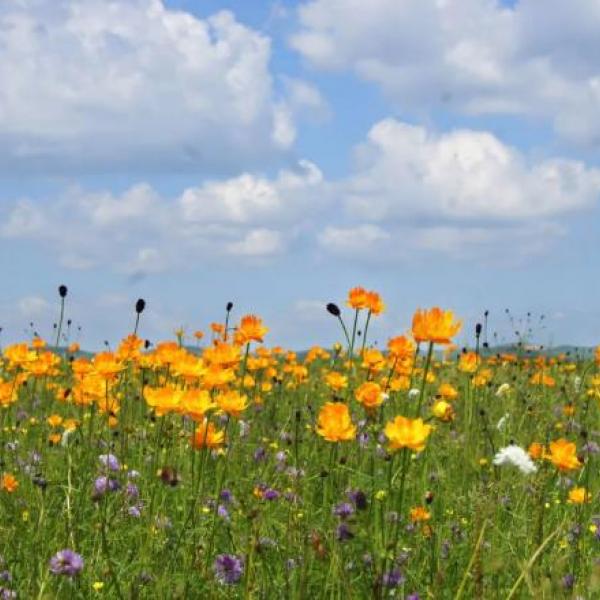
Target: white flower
(503, 389)
(502, 422)
(413, 393)
(516, 456)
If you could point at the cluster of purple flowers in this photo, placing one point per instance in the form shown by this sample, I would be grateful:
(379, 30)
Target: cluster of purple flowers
(66, 562)
(228, 568)
(5, 579)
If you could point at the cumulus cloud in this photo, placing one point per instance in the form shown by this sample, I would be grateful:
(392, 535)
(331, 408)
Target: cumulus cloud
(131, 82)
(412, 192)
(406, 172)
(140, 232)
(469, 56)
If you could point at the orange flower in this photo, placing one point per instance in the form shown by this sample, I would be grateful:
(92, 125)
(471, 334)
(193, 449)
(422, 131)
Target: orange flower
(54, 420)
(9, 483)
(419, 513)
(358, 298)
(536, 450)
(54, 439)
(206, 436)
(334, 423)
(217, 328)
(407, 433)
(336, 381)
(232, 403)
(163, 400)
(401, 347)
(250, 329)
(38, 343)
(468, 362)
(542, 379)
(447, 392)
(369, 394)
(195, 404)
(563, 455)
(130, 348)
(435, 325)
(73, 348)
(375, 303)
(579, 495)
(107, 366)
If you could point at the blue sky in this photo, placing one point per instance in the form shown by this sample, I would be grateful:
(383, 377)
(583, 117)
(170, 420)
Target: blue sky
(275, 154)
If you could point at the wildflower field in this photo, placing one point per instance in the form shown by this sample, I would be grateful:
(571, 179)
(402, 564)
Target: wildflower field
(226, 468)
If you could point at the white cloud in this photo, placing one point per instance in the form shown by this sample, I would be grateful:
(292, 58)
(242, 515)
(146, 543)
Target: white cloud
(412, 193)
(350, 241)
(470, 56)
(257, 242)
(251, 199)
(139, 232)
(131, 82)
(405, 172)
(33, 307)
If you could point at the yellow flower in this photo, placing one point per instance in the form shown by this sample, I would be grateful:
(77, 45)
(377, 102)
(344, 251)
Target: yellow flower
(563, 455)
(435, 325)
(334, 422)
(443, 411)
(336, 381)
(579, 495)
(407, 433)
(98, 586)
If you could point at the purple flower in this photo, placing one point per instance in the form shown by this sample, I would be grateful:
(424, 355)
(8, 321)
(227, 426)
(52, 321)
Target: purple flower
(134, 511)
(568, 581)
(110, 461)
(6, 594)
(392, 579)
(228, 568)
(271, 494)
(343, 533)
(260, 454)
(66, 562)
(226, 496)
(343, 510)
(359, 498)
(413, 596)
(105, 484)
(223, 512)
(132, 490)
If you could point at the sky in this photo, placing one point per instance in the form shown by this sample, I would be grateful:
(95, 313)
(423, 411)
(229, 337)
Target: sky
(277, 153)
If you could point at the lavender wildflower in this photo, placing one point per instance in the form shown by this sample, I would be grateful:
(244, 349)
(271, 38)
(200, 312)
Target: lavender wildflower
(66, 562)
(228, 568)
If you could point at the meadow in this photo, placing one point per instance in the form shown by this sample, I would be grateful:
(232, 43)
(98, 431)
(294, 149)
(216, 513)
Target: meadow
(214, 466)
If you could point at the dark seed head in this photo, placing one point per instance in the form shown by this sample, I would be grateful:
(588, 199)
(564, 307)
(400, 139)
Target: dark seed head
(62, 291)
(140, 305)
(229, 306)
(333, 309)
